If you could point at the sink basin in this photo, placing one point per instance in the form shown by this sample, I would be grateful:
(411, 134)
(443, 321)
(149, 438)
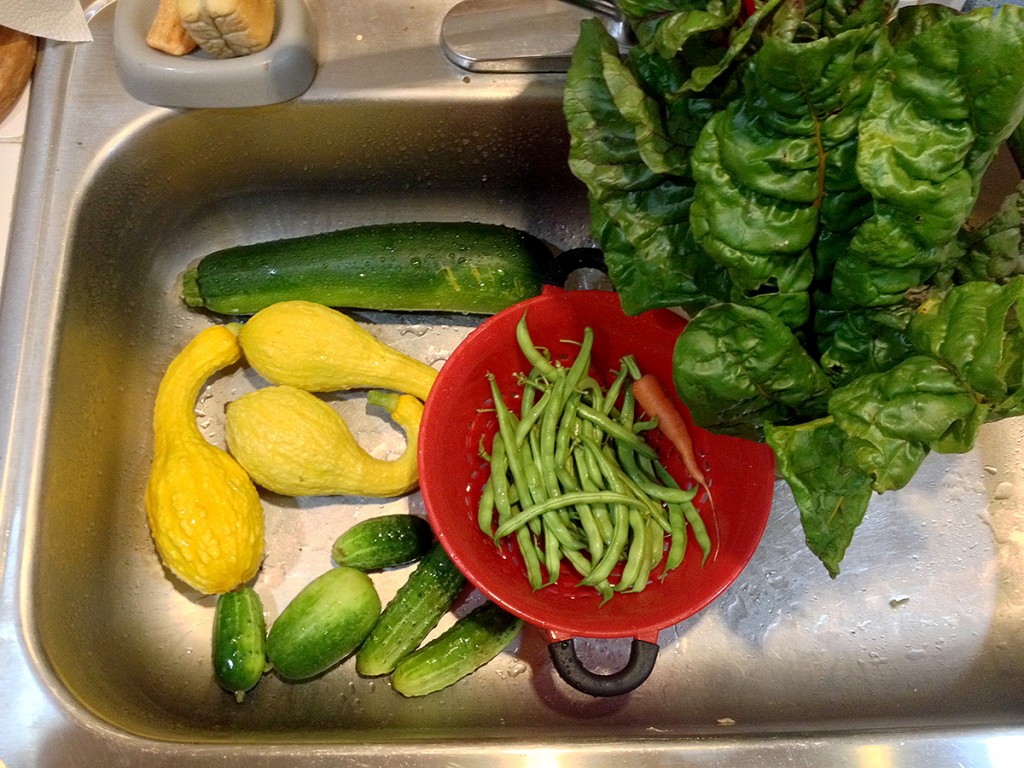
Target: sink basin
(913, 656)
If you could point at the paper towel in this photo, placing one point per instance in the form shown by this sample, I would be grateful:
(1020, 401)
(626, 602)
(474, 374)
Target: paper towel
(53, 19)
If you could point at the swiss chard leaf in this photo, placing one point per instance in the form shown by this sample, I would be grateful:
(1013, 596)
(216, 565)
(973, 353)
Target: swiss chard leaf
(765, 165)
(832, 491)
(949, 96)
(975, 330)
(640, 215)
(690, 34)
(896, 417)
(993, 252)
(737, 367)
(867, 341)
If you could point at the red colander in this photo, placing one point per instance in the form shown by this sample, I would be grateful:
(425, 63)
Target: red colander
(458, 418)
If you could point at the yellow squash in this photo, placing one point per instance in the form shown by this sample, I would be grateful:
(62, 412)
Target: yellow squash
(293, 443)
(312, 347)
(204, 511)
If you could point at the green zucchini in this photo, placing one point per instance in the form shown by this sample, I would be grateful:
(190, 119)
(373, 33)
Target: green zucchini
(416, 608)
(383, 542)
(463, 267)
(467, 645)
(323, 624)
(239, 641)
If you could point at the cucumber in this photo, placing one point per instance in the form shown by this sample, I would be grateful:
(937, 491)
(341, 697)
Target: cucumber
(416, 608)
(467, 645)
(239, 641)
(383, 542)
(463, 267)
(323, 624)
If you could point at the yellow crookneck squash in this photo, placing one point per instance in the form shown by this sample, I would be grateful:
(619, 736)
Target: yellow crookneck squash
(204, 512)
(293, 443)
(313, 347)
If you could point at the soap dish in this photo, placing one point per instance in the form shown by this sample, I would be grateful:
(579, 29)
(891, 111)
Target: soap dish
(282, 71)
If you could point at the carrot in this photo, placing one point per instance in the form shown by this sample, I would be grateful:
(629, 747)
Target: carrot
(653, 399)
(651, 396)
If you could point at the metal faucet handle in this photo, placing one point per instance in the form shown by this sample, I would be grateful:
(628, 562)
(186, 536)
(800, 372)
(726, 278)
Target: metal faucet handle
(607, 7)
(520, 36)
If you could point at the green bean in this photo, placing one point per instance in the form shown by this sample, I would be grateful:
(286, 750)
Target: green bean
(654, 554)
(612, 395)
(566, 427)
(552, 552)
(531, 558)
(700, 532)
(485, 508)
(590, 389)
(529, 417)
(585, 514)
(622, 482)
(530, 350)
(637, 551)
(661, 492)
(629, 363)
(581, 364)
(565, 500)
(613, 552)
(506, 432)
(499, 483)
(677, 539)
(534, 482)
(535, 491)
(562, 529)
(549, 432)
(616, 430)
(644, 426)
(600, 512)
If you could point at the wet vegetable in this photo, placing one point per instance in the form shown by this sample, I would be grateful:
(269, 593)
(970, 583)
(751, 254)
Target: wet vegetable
(801, 179)
(204, 512)
(472, 641)
(239, 641)
(412, 613)
(313, 347)
(383, 542)
(323, 624)
(465, 267)
(293, 443)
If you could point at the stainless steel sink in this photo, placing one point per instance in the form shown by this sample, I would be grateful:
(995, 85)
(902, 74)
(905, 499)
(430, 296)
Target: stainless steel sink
(914, 656)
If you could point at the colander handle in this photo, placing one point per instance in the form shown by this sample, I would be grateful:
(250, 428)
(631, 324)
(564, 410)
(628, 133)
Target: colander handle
(642, 656)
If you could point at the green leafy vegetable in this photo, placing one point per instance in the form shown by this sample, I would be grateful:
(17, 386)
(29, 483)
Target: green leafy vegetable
(829, 486)
(800, 180)
(742, 368)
